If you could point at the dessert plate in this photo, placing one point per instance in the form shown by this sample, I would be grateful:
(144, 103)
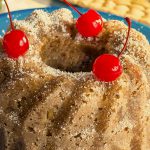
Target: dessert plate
(19, 15)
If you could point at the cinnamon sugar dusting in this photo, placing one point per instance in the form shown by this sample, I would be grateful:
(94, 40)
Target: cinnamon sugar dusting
(57, 103)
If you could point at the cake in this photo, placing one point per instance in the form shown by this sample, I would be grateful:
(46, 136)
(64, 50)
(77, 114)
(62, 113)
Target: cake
(50, 100)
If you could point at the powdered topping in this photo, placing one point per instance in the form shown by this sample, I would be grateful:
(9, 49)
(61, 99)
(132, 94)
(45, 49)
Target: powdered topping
(41, 23)
(56, 100)
(49, 23)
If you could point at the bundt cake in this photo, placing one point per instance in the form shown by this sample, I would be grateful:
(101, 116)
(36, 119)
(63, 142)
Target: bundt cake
(50, 100)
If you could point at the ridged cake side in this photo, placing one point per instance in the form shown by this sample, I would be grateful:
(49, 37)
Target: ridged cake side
(44, 106)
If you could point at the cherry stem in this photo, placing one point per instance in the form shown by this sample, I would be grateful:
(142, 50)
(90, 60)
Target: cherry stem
(69, 4)
(128, 20)
(10, 17)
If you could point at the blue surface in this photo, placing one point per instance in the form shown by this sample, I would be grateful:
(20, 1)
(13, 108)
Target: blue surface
(19, 15)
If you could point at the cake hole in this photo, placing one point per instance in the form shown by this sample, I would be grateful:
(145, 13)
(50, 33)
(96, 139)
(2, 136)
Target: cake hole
(117, 96)
(96, 120)
(78, 136)
(134, 93)
(77, 144)
(66, 54)
(24, 98)
(39, 97)
(91, 90)
(126, 129)
(100, 109)
(19, 104)
(31, 129)
(36, 144)
(49, 133)
(87, 95)
(147, 119)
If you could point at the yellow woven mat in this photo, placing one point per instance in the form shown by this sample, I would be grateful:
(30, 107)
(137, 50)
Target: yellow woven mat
(136, 9)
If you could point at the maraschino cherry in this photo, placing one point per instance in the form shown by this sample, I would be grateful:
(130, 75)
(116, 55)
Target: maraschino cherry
(108, 67)
(15, 42)
(89, 24)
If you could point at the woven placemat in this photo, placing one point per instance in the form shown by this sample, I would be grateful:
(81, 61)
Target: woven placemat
(136, 9)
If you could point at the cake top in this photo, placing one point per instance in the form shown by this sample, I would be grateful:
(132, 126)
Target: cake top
(40, 26)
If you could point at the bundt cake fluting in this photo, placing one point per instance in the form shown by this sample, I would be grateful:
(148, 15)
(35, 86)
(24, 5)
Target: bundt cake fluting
(50, 99)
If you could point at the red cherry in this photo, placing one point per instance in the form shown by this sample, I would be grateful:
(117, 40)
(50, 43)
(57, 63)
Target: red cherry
(15, 42)
(107, 67)
(88, 24)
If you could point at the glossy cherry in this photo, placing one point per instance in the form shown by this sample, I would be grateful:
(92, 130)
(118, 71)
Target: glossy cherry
(88, 24)
(108, 67)
(15, 42)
